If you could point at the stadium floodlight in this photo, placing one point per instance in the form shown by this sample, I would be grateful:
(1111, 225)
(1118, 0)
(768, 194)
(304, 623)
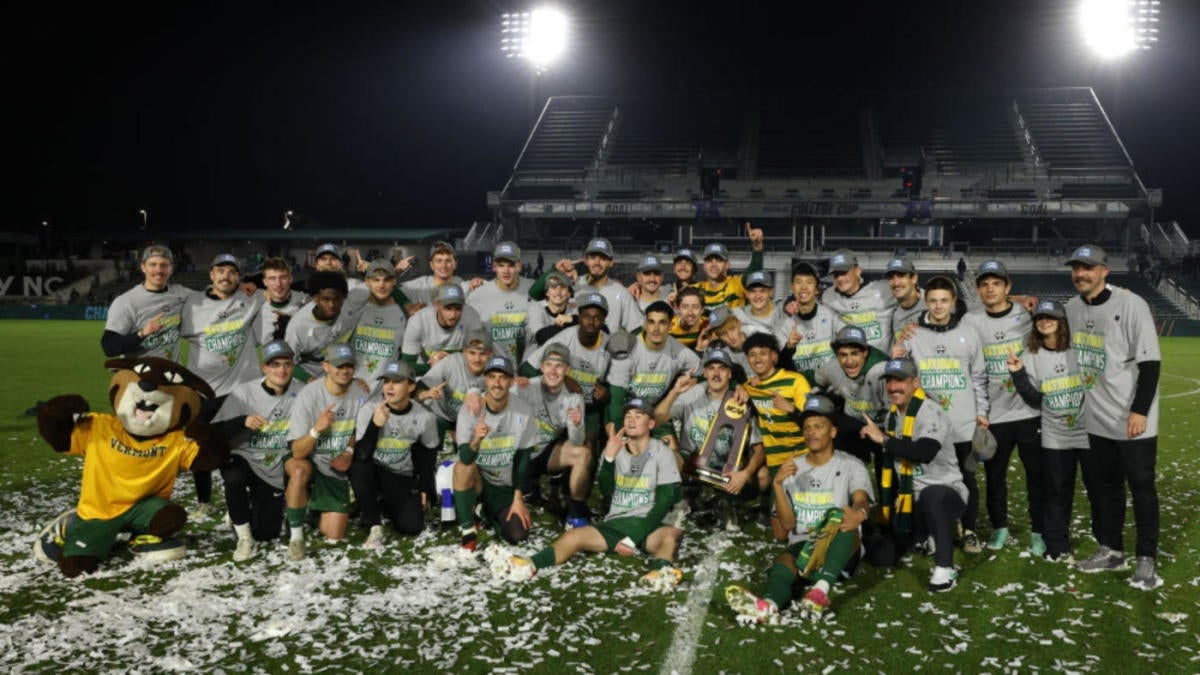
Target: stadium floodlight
(539, 36)
(1114, 28)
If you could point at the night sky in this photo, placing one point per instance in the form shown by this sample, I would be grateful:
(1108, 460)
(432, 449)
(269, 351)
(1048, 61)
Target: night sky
(383, 115)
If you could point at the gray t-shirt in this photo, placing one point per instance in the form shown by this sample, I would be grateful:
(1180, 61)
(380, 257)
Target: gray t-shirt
(638, 477)
(505, 313)
(865, 394)
(693, 412)
(308, 337)
(813, 490)
(309, 405)
(1058, 377)
(902, 317)
(816, 334)
(423, 289)
(623, 311)
(952, 374)
(424, 336)
(132, 309)
(772, 323)
(453, 371)
(271, 312)
(393, 446)
(221, 339)
(265, 449)
(376, 340)
(588, 364)
(539, 318)
(647, 373)
(870, 309)
(999, 335)
(512, 429)
(1110, 340)
(550, 412)
(931, 422)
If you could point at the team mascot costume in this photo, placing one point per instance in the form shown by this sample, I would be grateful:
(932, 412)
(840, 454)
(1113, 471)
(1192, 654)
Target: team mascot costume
(130, 461)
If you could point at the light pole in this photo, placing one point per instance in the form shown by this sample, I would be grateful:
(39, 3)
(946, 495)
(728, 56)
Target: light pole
(145, 217)
(287, 219)
(539, 37)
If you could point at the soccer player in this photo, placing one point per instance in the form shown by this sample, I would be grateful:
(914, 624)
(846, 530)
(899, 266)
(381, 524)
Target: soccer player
(1048, 377)
(721, 289)
(503, 303)
(493, 459)
(623, 312)
(394, 456)
(280, 300)
(901, 276)
(422, 290)
(927, 495)
(322, 432)
(444, 388)
(255, 417)
(691, 320)
(684, 266)
(144, 321)
(1115, 340)
(953, 374)
(553, 314)
(809, 325)
(435, 332)
(866, 305)
(640, 475)
(855, 376)
(758, 315)
(381, 324)
(561, 438)
(821, 500)
(649, 287)
(778, 394)
(312, 330)
(329, 259)
(1003, 329)
(651, 367)
(725, 330)
(219, 328)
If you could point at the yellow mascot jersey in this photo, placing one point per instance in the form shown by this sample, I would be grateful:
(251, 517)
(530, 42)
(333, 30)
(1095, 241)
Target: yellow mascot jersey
(120, 470)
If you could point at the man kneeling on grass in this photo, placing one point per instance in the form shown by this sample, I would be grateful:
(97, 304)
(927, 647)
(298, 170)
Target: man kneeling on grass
(640, 474)
(821, 499)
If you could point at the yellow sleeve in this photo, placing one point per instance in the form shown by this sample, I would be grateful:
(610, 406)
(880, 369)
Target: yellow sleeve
(800, 391)
(80, 435)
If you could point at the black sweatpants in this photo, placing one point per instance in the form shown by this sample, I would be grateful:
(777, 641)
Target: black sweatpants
(1022, 435)
(252, 500)
(203, 479)
(967, 464)
(1060, 497)
(937, 510)
(1108, 466)
(380, 491)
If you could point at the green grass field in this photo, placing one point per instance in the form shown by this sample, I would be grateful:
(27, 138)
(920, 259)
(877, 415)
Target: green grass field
(414, 607)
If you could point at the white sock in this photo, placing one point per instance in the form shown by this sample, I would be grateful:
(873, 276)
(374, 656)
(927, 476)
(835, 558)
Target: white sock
(243, 530)
(823, 586)
(297, 533)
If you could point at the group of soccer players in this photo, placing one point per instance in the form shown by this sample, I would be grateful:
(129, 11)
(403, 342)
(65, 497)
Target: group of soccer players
(540, 389)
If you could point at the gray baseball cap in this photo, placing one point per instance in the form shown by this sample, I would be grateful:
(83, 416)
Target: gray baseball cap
(449, 294)
(716, 250)
(507, 250)
(993, 268)
(850, 335)
(395, 371)
(226, 259)
(900, 369)
(556, 352)
(620, 344)
(277, 349)
(719, 317)
(381, 267)
(328, 249)
(1050, 308)
(684, 254)
(500, 363)
(157, 251)
(1089, 255)
(650, 263)
(339, 354)
(899, 265)
(842, 260)
(718, 355)
(557, 278)
(592, 300)
(759, 278)
(599, 245)
(818, 404)
(481, 335)
(638, 404)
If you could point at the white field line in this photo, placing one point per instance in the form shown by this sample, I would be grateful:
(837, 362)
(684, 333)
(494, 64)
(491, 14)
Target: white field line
(682, 652)
(1183, 393)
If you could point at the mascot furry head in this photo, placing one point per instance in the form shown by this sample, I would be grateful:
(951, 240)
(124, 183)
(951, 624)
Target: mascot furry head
(130, 461)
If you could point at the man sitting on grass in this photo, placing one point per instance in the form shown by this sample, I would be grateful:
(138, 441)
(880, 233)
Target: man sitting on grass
(640, 474)
(821, 499)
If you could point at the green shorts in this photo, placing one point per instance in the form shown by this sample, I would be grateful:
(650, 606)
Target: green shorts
(328, 494)
(95, 538)
(495, 499)
(617, 529)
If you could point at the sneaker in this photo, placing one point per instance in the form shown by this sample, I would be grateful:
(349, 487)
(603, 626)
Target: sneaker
(296, 550)
(926, 547)
(49, 543)
(746, 604)
(999, 539)
(1065, 558)
(1103, 560)
(1037, 545)
(201, 511)
(513, 568)
(663, 578)
(727, 516)
(156, 549)
(943, 579)
(244, 550)
(814, 604)
(970, 542)
(1145, 576)
(575, 522)
(374, 540)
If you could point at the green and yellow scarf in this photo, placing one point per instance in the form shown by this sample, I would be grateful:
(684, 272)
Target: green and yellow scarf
(897, 490)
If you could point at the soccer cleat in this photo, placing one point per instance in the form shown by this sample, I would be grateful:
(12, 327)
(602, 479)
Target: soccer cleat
(468, 545)
(201, 511)
(814, 604)
(575, 522)
(296, 549)
(1037, 545)
(49, 543)
(374, 540)
(156, 549)
(1103, 560)
(926, 547)
(999, 539)
(746, 604)
(970, 542)
(505, 566)
(1145, 576)
(244, 550)
(943, 579)
(663, 578)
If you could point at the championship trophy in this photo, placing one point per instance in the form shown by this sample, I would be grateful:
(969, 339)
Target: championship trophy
(731, 424)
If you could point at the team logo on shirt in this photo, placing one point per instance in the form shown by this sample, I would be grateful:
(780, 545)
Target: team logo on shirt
(999, 335)
(940, 349)
(1090, 325)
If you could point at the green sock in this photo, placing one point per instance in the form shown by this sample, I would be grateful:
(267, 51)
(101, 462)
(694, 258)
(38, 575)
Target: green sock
(659, 563)
(464, 508)
(779, 585)
(544, 558)
(836, 556)
(295, 517)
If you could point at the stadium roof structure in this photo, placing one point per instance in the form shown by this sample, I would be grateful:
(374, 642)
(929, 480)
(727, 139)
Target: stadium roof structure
(968, 154)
